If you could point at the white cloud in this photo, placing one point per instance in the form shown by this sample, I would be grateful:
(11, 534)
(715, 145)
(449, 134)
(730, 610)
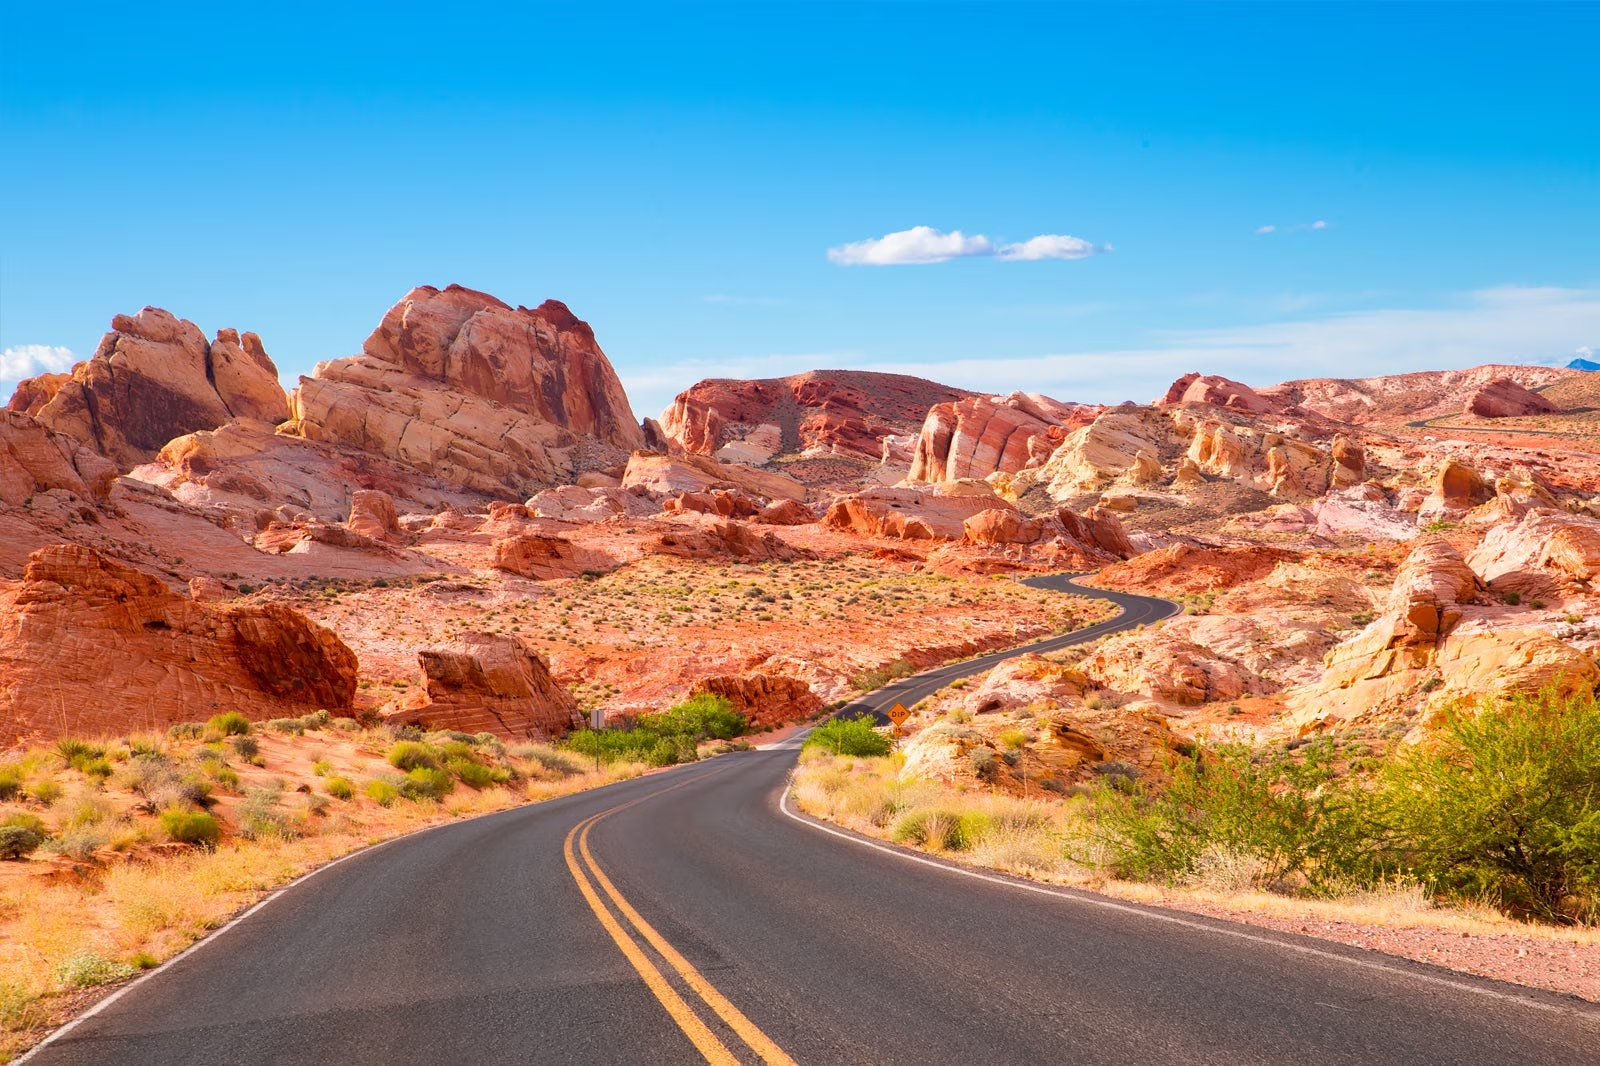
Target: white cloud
(26, 360)
(919, 244)
(1296, 228)
(1318, 224)
(1583, 351)
(1049, 246)
(924, 244)
(1267, 229)
(1503, 325)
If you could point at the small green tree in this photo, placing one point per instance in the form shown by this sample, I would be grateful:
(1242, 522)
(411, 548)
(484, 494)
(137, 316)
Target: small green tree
(849, 736)
(1503, 804)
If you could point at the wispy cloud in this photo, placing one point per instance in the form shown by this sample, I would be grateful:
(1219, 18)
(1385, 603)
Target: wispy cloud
(26, 360)
(924, 244)
(1511, 324)
(1298, 227)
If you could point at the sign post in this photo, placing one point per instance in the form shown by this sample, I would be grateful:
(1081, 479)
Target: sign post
(597, 722)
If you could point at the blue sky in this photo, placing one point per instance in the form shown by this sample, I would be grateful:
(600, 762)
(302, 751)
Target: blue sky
(679, 174)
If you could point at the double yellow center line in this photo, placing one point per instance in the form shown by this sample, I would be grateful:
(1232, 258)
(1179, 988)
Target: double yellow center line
(576, 848)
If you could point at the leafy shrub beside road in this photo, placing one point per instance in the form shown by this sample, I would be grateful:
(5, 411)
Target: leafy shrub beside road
(665, 738)
(849, 736)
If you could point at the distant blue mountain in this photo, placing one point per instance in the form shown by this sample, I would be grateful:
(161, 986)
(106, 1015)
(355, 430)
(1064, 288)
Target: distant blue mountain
(1583, 364)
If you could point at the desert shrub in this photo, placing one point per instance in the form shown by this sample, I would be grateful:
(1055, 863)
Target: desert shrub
(184, 826)
(223, 775)
(339, 788)
(1013, 739)
(293, 726)
(259, 815)
(426, 782)
(381, 792)
(411, 755)
(984, 764)
(555, 760)
(1503, 804)
(322, 768)
(935, 827)
(315, 804)
(316, 720)
(186, 731)
(1285, 809)
(19, 841)
(88, 969)
(10, 781)
(247, 746)
(230, 724)
(849, 736)
(705, 716)
(347, 725)
(45, 791)
(876, 677)
(78, 842)
(470, 772)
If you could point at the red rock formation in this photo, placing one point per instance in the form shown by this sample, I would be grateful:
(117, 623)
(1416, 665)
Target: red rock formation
(1504, 398)
(493, 683)
(1457, 489)
(35, 459)
(998, 526)
(909, 514)
(465, 387)
(977, 436)
(1182, 568)
(842, 412)
(786, 513)
(90, 647)
(1349, 462)
(33, 393)
(766, 700)
(373, 514)
(154, 378)
(1217, 391)
(728, 539)
(719, 502)
(545, 557)
(669, 475)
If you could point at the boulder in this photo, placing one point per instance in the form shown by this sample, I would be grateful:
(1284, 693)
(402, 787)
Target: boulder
(35, 459)
(1537, 552)
(92, 647)
(373, 514)
(786, 513)
(545, 557)
(766, 700)
(728, 504)
(1457, 489)
(460, 385)
(822, 412)
(980, 435)
(493, 683)
(713, 539)
(154, 378)
(1504, 398)
(1217, 391)
(1000, 525)
(910, 514)
(1349, 462)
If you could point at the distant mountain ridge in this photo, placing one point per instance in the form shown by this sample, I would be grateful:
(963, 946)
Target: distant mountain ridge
(1583, 364)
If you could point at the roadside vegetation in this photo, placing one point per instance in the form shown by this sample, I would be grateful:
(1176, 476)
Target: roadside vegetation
(1497, 808)
(116, 854)
(666, 738)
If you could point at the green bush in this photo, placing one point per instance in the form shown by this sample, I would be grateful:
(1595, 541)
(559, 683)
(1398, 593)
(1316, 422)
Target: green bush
(411, 755)
(1285, 809)
(705, 716)
(1503, 805)
(184, 826)
(381, 792)
(88, 969)
(247, 746)
(322, 768)
(19, 841)
(339, 788)
(427, 782)
(230, 724)
(260, 816)
(10, 781)
(849, 736)
(45, 791)
(949, 830)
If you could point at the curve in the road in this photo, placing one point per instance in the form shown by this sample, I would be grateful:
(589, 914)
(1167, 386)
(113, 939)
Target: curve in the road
(474, 942)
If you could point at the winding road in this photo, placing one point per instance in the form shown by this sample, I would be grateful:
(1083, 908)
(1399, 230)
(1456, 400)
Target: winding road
(692, 916)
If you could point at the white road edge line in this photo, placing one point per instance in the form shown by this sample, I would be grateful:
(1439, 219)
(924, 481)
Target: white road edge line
(1153, 915)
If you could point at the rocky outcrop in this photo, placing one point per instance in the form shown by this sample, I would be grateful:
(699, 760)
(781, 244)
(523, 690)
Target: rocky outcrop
(457, 384)
(766, 700)
(298, 535)
(1189, 568)
(912, 514)
(1166, 667)
(1541, 552)
(1121, 446)
(662, 475)
(373, 514)
(722, 502)
(786, 513)
(1097, 533)
(1349, 462)
(1403, 397)
(714, 539)
(576, 503)
(1457, 489)
(980, 435)
(1504, 398)
(822, 412)
(493, 683)
(91, 647)
(34, 459)
(1217, 391)
(33, 393)
(545, 557)
(154, 378)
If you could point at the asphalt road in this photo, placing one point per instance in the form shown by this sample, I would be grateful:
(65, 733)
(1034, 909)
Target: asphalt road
(686, 917)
